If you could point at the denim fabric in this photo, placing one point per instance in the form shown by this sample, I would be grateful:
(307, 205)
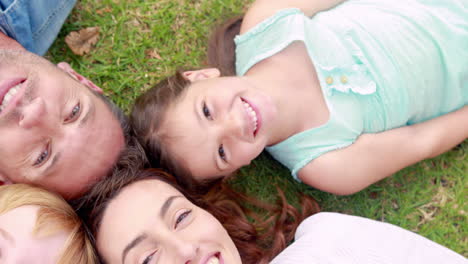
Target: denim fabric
(34, 23)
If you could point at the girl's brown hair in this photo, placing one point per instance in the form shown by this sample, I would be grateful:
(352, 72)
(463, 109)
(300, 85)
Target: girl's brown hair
(149, 110)
(54, 215)
(221, 46)
(148, 116)
(257, 242)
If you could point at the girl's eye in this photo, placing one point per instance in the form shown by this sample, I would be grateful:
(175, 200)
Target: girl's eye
(73, 114)
(206, 112)
(182, 217)
(42, 157)
(149, 258)
(222, 153)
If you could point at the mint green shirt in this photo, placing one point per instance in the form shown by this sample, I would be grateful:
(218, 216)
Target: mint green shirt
(381, 64)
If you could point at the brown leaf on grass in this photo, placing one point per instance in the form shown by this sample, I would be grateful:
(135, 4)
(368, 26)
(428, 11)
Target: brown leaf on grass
(104, 10)
(152, 54)
(373, 195)
(135, 22)
(80, 42)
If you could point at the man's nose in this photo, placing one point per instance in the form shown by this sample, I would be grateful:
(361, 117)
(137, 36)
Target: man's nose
(33, 114)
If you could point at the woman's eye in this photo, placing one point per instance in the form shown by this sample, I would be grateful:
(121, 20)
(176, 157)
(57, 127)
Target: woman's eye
(222, 153)
(182, 217)
(42, 157)
(148, 258)
(206, 112)
(73, 114)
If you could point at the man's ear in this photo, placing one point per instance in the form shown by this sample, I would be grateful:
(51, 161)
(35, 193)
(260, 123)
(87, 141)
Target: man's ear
(68, 69)
(202, 74)
(4, 180)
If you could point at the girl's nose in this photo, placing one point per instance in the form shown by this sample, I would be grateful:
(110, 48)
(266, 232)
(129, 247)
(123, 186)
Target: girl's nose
(34, 114)
(235, 125)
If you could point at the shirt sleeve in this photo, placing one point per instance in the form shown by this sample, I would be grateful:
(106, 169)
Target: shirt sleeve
(332, 238)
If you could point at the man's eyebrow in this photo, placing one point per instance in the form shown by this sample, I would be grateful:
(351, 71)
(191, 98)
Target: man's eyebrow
(89, 114)
(83, 122)
(167, 204)
(7, 236)
(133, 244)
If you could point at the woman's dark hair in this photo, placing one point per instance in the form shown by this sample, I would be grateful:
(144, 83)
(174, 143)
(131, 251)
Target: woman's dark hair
(257, 242)
(150, 108)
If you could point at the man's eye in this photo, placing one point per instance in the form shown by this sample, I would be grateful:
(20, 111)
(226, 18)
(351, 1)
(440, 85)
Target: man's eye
(182, 217)
(222, 153)
(73, 114)
(42, 157)
(206, 112)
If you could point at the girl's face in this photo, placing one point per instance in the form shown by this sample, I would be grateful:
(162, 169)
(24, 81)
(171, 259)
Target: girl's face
(18, 244)
(218, 125)
(151, 222)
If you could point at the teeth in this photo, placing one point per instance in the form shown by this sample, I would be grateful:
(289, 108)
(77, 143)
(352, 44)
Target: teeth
(213, 260)
(252, 114)
(11, 93)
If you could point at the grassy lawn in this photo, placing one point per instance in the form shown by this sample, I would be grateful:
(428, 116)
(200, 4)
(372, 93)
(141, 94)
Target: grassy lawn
(143, 41)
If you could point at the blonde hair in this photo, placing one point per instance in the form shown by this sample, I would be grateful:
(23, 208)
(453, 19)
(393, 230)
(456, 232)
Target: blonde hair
(54, 215)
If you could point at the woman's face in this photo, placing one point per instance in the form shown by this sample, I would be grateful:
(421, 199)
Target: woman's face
(152, 222)
(18, 244)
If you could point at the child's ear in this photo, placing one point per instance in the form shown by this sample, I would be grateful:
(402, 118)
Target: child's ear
(68, 69)
(202, 74)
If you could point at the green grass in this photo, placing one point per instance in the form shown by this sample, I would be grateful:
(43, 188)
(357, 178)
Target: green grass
(428, 198)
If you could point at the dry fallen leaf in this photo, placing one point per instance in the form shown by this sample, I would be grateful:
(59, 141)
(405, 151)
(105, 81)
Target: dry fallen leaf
(80, 42)
(104, 10)
(152, 54)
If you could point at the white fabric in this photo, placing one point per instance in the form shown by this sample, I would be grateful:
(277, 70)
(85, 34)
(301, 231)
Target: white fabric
(332, 238)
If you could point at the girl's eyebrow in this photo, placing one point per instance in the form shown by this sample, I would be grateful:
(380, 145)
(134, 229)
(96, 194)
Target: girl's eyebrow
(196, 110)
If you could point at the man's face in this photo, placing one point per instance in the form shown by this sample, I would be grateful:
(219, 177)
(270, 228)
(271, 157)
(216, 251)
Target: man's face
(54, 131)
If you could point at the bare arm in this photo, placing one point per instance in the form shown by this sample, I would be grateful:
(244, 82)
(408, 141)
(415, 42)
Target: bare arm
(375, 156)
(9, 43)
(262, 9)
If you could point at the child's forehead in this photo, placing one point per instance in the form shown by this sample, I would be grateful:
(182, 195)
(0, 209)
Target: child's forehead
(212, 85)
(183, 134)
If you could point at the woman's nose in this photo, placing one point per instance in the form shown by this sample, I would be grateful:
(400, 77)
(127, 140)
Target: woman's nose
(33, 114)
(185, 251)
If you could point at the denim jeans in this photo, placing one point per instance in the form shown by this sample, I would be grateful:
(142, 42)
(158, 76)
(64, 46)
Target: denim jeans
(34, 23)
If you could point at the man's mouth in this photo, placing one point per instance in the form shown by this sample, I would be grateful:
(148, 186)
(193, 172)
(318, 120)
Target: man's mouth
(252, 115)
(8, 90)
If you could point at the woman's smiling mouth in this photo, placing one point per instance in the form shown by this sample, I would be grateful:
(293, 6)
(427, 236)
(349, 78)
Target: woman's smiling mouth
(215, 259)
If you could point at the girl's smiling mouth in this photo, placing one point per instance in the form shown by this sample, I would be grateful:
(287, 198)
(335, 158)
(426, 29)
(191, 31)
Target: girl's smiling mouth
(252, 114)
